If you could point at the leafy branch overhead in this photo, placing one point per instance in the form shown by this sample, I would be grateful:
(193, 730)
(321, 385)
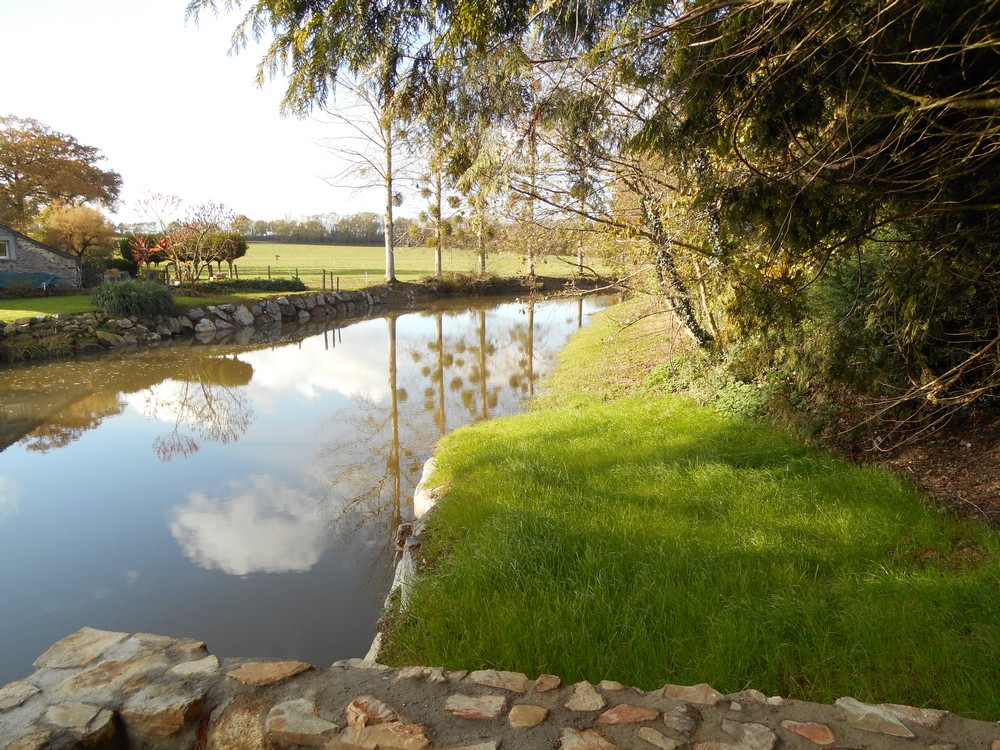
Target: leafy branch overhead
(812, 184)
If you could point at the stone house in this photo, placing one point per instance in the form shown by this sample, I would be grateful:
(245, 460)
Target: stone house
(20, 254)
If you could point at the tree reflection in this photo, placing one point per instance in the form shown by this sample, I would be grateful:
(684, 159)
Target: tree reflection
(207, 399)
(70, 422)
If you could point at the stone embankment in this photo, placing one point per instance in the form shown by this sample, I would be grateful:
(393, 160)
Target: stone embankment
(90, 332)
(101, 689)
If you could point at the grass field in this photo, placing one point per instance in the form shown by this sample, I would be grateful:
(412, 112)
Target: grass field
(351, 267)
(358, 267)
(611, 533)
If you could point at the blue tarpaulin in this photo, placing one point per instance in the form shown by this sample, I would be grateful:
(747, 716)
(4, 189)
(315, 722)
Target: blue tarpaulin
(9, 280)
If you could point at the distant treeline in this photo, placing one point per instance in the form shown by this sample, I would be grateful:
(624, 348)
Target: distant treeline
(329, 229)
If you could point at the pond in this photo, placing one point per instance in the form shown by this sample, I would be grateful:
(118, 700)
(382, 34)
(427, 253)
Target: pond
(244, 495)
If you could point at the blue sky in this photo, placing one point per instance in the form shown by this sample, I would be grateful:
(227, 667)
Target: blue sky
(170, 109)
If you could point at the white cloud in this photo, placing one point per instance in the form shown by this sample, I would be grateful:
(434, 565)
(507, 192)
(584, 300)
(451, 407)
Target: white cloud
(253, 525)
(10, 493)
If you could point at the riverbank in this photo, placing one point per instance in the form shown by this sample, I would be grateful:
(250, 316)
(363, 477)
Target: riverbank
(215, 321)
(612, 533)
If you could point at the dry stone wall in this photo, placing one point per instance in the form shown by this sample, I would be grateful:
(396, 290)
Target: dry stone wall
(100, 689)
(90, 332)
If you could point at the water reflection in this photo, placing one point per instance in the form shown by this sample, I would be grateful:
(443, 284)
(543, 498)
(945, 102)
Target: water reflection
(223, 492)
(256, 524)
(205, 400)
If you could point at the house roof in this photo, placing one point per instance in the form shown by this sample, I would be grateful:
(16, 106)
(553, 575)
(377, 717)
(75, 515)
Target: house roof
(4, 229)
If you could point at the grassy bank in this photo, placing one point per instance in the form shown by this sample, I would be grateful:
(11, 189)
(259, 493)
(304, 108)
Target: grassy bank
(610, 533)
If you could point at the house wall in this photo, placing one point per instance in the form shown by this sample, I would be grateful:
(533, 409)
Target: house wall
(32, 257)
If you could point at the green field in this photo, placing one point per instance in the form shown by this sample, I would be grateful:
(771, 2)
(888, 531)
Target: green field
(357, 267)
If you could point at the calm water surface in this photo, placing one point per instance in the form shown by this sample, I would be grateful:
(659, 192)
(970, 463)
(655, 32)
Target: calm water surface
(244, 495)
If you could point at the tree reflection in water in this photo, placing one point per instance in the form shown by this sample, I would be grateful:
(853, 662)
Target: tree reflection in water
(206, 400)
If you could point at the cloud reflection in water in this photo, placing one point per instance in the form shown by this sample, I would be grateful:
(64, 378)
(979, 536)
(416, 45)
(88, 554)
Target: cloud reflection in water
(256, 525)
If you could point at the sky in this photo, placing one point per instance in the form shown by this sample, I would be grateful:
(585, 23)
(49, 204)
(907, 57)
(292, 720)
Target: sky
(172, 112)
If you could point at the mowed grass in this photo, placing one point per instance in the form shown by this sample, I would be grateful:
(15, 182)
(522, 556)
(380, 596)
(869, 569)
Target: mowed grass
(358, 267)
(649, 540)
(14, 309)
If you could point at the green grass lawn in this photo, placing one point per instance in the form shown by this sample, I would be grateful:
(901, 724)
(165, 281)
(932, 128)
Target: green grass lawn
(358, 267)
(646, 539)
(14, 309)
(352, 267)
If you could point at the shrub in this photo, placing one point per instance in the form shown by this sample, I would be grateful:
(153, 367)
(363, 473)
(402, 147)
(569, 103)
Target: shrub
(142, 298)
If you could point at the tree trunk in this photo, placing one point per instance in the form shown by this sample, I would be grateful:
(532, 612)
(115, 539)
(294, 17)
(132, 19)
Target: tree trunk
(390, 258)
(439, 235)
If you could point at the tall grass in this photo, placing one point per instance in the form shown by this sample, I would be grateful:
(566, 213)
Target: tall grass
(650, 540)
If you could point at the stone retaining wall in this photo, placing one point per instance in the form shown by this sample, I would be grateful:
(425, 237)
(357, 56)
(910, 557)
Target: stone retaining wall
(89, 332)
(100, 689)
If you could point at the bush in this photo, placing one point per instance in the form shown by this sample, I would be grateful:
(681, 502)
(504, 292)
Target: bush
(232, 286)
(144, 299)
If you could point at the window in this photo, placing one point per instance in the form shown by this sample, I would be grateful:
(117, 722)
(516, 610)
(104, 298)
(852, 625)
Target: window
(6, 249)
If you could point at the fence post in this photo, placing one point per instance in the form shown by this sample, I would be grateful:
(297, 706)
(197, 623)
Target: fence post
(324, 279)
(338, 283)
(236, 271)
(269, 271)
(296, 273)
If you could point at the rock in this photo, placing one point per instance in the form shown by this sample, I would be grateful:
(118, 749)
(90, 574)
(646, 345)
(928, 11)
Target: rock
(223, 325)
(243, 317)
(818, 734)
(610, 685)
(513, 681)
(205, 325)
(303, 316)
(259, 673)
(587, 739)
(872, 718)
(656, 739)
(395, 735)
(163, 329)
(491, 745)
(585, 698)
(775, 700)
(750, 695)
(702, 694)
(526, 716)
(197, 668)
(625, 713)
(925, 717)
(33, 741)
(366, 710)
(124, 323)
(475, 706)
(162, 710)
(79, 649)
(241, 725)
(682, 719)
(546, 683)
(106, 338)
(195, 314)
(15, 694)
(72, 715)
(297, 722)
(107, 679)
(433, 675)
(750, 736)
